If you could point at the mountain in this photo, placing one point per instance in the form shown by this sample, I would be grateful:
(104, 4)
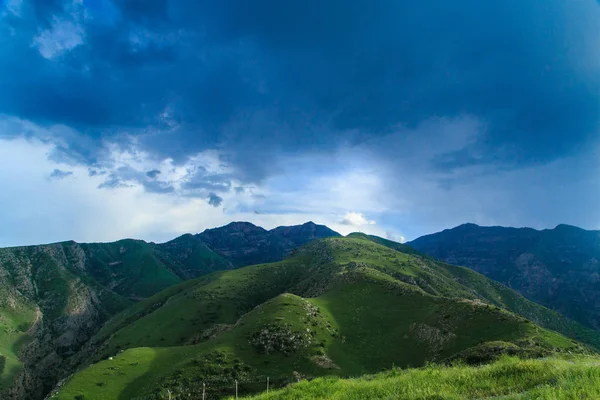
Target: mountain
(243, 243)
(299, 235)
(558, 268)
(54, 298)
(49, 307)
(401, 247)
(336, 306)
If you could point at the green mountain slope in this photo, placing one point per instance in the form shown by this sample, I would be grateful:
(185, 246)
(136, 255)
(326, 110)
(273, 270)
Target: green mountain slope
(558, 268)
(48, 309)
(403, 248)
(337, 306)
(495, 293)
(54, 298)
(18, 316)
(557, 378)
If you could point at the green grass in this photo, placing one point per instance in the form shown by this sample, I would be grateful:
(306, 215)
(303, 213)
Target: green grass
(15, 319)
(509, 378)
(132, 264)
(336, 307)
(448, 280)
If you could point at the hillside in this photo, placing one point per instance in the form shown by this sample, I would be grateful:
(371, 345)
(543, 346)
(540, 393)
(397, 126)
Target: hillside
(341, 306)
(48, 309)
(558, 268)
(557, 378)
(401, 247)
(54, 298)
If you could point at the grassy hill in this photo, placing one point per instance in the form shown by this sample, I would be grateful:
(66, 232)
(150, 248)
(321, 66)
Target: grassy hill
(401, 247)
(54, 298)
(338, 306)
(558, 268)
(509, 378)
(469, 283)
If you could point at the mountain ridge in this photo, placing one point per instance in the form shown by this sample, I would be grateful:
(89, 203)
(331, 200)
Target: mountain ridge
(326, 309)
(58, 295)
(558, 268)
(93, 282)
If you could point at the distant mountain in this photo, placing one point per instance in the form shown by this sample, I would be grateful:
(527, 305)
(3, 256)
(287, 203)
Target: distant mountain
(54, 298)
(336, 306)
(299, 235)
(558, 268)
(243, 243)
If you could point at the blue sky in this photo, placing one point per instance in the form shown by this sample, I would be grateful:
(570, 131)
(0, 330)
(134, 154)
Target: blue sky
(153, 118)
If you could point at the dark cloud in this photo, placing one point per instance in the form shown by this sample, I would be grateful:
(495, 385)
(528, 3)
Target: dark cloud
(95, 172)
(214, 200)
(158, 187)
(213, 182)
(60, 174)
(127, 176)
(114, 181)
(261, 78)
(153, 174)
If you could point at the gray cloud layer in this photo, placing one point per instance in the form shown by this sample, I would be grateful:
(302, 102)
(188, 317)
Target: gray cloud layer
(260, 80)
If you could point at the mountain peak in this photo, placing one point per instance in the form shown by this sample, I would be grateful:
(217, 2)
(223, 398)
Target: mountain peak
(244, 243)
(239, 226)
(565, 227)
(468, 225)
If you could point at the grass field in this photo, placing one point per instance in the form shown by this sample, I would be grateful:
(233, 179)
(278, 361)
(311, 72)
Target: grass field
(555, 378)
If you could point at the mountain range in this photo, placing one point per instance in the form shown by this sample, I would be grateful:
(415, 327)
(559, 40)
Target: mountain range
(558, 268)
(241, 303)
(54, 298)
(336, 306)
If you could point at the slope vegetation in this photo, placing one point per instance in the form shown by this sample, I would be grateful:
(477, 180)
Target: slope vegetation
(558, 268)
(338, 306)
(54, 298)
(509, 378)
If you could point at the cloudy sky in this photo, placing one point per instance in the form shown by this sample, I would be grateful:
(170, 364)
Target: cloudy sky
(152, 118)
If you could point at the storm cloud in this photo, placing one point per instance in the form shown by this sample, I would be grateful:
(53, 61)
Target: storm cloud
(442, 94)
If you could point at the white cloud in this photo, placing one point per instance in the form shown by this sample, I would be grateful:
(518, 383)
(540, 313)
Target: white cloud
(62, 36)
(41, 210)
(355, 192)
(394, 236)
(356, 219)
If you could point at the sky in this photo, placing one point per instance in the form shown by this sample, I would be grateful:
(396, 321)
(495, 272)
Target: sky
(153, 118)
